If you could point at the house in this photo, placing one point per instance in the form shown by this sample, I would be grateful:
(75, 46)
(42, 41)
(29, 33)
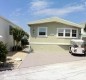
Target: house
(53, 34)
(5, 34)
(83, 31)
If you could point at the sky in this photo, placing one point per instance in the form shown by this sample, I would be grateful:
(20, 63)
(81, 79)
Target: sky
(22, 12)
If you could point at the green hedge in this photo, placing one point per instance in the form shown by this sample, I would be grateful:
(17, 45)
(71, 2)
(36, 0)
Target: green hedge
(3, 52)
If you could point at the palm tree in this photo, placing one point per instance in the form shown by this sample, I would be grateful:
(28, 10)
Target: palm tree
(18, 34)
(3, 52)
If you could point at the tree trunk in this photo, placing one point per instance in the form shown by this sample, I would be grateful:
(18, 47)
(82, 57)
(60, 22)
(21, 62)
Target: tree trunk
(17, 45)
(14, 45)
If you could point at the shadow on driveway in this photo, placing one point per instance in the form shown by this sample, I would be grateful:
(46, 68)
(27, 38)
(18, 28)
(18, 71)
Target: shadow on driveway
(6, 66)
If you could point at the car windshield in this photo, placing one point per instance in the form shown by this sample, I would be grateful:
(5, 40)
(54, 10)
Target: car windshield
(77, 44)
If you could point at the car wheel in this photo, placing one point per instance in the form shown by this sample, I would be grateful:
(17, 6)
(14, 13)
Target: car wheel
(70, 52)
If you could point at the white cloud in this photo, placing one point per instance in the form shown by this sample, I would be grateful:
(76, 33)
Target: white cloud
(46, 8)
(43, 7)
(16, 13)
(38, 4)
(60, 11)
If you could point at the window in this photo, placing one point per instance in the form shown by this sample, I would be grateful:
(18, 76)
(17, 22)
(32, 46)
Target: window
(67, 33)
(74, 32)
(60, 32)
(10, 30)
(42, 31)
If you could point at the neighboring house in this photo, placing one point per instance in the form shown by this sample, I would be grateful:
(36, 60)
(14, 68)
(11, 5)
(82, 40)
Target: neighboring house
(53, 34)
(5, 34)
(83, 31)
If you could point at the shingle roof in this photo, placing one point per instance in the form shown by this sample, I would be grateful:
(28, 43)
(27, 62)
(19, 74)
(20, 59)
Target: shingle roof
(56, 19)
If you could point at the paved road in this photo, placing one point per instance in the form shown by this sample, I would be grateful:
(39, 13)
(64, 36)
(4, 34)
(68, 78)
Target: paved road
(62, 71)
(41, 58)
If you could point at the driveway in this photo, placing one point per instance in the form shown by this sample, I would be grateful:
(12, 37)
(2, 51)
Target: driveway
(62, 71)
(43, 58)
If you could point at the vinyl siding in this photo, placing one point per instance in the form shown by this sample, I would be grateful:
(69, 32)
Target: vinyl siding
(51, 33)
(50, 48)
(4, 31)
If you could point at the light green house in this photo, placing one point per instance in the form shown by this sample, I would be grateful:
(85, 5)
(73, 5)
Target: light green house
(53, 34)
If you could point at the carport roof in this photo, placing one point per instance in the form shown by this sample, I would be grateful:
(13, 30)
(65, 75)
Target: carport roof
(55, 19)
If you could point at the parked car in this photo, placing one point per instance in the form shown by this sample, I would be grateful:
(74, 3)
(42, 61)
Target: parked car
(78, 46)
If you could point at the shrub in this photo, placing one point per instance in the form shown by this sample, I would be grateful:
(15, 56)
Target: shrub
(16, 48)
(3, 52)
(24, 42)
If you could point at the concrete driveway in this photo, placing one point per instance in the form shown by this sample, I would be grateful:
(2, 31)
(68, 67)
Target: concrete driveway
(43, 58)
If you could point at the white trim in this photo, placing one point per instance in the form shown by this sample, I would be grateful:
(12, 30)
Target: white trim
(41, 35)
(48, 43)
(70, 33)
(64, 33)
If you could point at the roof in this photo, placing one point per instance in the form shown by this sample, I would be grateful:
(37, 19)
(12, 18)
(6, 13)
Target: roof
(83, 24)
(55, 19)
